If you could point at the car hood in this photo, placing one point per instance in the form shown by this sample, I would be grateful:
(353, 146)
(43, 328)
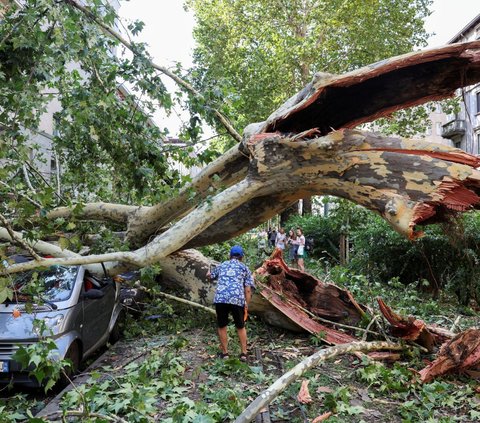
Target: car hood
(21, 328)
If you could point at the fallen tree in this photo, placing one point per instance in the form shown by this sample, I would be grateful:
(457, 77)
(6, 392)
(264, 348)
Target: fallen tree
(406, 182)
(307, 147)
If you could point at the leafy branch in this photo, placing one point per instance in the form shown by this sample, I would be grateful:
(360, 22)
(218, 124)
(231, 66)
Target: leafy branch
(181, 82)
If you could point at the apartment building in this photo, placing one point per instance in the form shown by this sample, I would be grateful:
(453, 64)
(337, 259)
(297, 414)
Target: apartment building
(463, 128)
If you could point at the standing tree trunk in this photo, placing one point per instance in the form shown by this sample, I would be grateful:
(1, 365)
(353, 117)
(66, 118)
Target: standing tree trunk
(306, 206)
(288, 213)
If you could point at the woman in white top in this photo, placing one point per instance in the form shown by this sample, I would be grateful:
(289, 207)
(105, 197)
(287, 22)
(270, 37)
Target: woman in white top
(301, 249)
(281, 239)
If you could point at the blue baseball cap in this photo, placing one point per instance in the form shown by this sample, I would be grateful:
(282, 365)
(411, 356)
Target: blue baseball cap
(236, 250)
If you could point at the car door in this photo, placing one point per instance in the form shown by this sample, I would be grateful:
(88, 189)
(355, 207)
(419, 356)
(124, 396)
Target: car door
(97, 314)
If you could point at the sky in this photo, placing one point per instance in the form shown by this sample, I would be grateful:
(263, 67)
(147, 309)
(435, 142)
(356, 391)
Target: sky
(168, 32)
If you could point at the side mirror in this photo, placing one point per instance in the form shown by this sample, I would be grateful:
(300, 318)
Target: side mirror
(93, 294)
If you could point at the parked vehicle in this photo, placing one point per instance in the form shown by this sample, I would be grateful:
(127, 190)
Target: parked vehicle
(81, 312)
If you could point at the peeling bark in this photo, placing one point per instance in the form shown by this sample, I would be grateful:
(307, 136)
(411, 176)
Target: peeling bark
(294, 293)
(412, 329)
(377, 90)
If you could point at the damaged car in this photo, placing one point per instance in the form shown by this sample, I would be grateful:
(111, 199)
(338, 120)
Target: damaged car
(80, 312)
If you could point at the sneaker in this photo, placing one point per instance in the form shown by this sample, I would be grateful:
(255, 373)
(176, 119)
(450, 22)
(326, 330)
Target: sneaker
(222, 355)
(243, 357)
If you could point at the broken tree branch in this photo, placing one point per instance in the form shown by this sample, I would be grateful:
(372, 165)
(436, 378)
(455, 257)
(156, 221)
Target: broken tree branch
(16, 239)
(26, 197)
(184, 301)
(96, 211)
(181, 82)
(267, 396)
(455, 323)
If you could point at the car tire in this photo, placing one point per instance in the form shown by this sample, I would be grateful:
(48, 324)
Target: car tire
(117, 329)
(73, 354)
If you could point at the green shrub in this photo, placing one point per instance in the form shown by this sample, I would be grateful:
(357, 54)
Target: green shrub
(445, 258)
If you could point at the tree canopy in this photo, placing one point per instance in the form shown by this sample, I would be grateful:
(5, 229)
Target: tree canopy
(252, 54)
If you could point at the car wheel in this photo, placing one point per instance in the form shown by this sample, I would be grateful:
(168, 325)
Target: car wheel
(73, 354)
(118, 327)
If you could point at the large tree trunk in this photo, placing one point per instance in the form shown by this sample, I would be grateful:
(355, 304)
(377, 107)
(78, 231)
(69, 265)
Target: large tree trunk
(306, 206)
(285, 297)
(319, 108)
(300, 151)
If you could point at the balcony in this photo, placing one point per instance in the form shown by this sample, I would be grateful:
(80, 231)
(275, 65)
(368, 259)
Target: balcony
(453, 128)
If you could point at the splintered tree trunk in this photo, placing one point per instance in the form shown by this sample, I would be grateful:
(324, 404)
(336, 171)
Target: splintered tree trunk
(458, 355)
(305, 148)
(412, 329)
(284, 297)
(308, 302)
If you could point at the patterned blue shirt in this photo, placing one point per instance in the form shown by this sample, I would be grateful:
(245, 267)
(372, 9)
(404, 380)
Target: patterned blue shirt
(232, 277)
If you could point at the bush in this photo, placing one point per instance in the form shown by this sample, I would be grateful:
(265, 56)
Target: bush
(445, 258)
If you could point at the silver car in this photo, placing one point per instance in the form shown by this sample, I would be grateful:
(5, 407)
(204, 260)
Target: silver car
(81, 312)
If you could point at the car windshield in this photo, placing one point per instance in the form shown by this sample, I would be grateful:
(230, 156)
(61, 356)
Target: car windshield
(54, 284)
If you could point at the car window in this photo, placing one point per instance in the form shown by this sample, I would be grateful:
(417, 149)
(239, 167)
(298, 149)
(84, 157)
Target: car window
(56, 282)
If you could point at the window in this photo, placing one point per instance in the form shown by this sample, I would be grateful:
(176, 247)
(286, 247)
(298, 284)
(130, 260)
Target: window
(477, 147)
(477, 96)
(457, 144)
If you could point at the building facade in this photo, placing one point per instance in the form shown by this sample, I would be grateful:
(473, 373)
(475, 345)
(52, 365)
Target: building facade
(463, 128)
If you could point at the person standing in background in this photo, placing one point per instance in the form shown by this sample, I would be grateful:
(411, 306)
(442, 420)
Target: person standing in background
(300, 241)
(281, 239)
(272, 238)
(292, 247)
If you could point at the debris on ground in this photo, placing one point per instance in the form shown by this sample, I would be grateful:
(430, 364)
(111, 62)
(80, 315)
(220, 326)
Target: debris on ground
(305, 300)
(458, 355)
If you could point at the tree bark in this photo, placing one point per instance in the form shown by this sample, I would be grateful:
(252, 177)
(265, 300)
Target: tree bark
(306, 206)
(370, 92)
(298, 152)
(457, 355)
(288, 213)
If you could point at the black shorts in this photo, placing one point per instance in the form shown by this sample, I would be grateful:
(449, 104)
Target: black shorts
(223, 310)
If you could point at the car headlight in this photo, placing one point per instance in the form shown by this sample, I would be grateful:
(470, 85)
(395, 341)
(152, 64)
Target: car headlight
(54, 321)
